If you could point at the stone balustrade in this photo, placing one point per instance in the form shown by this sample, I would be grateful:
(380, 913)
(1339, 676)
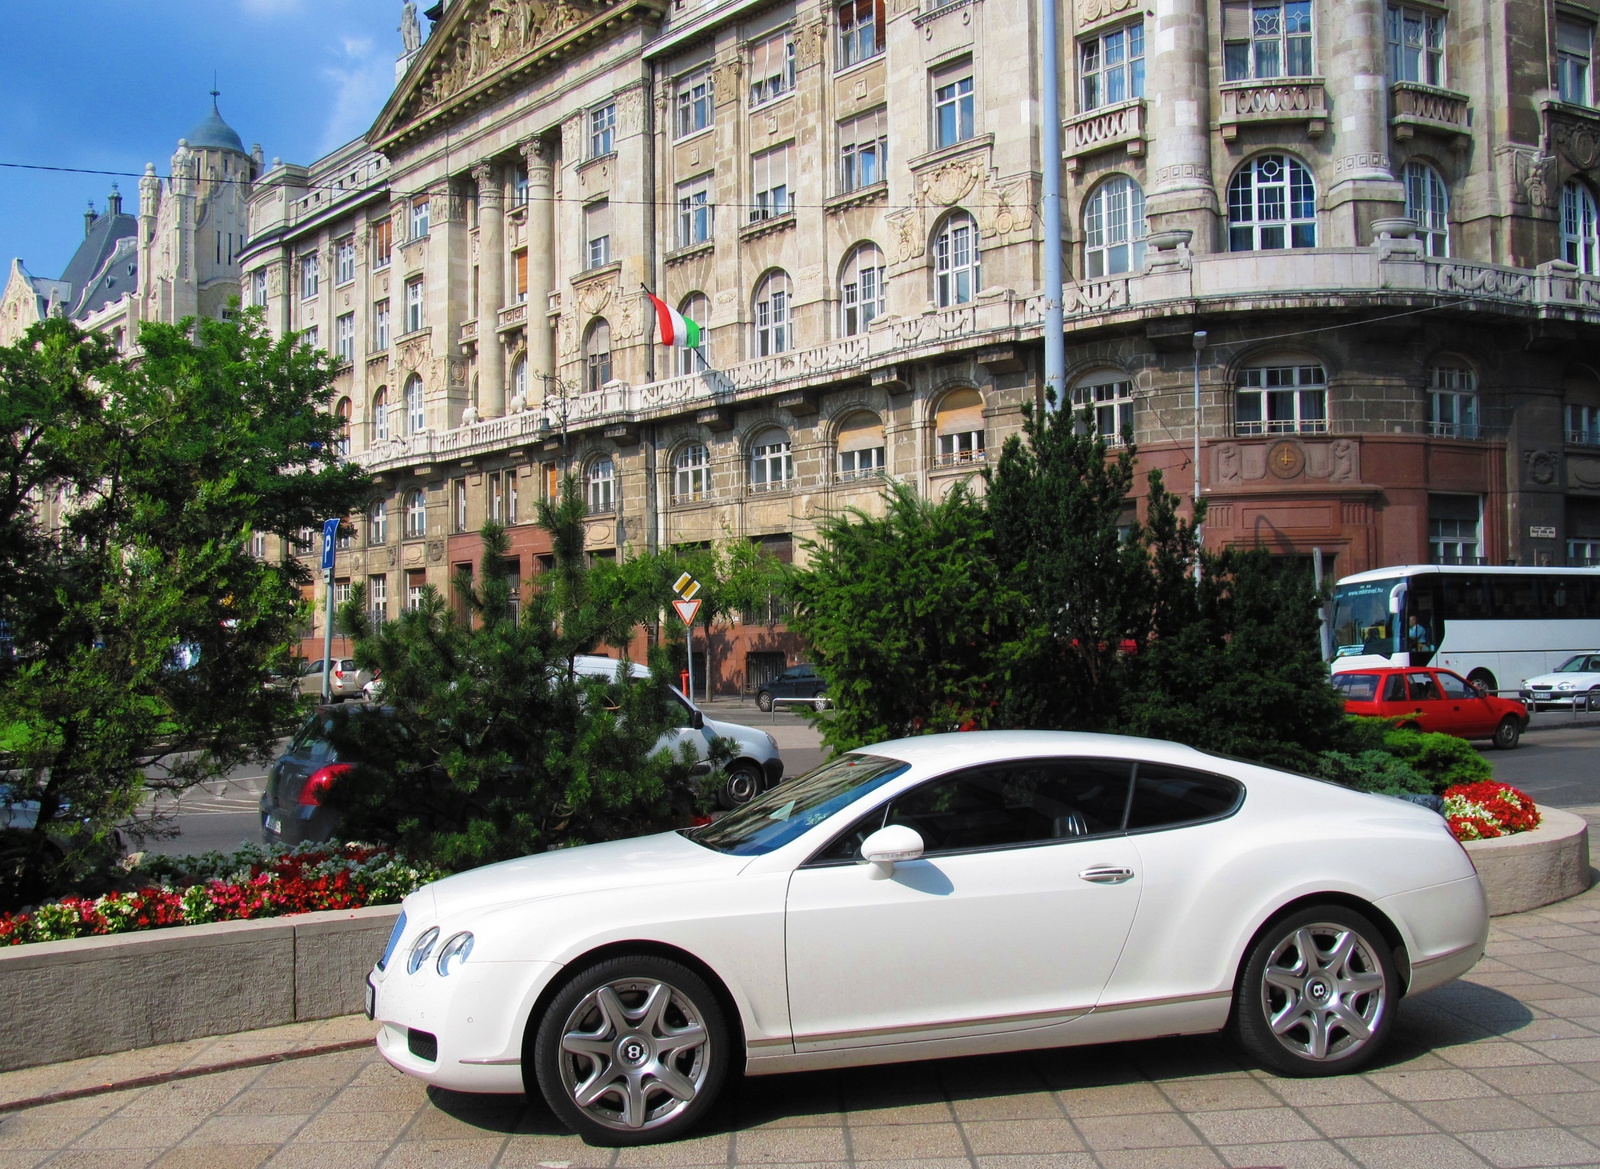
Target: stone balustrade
(1122, 124)
(1295, 99)
(512, 316)
(1416, 107)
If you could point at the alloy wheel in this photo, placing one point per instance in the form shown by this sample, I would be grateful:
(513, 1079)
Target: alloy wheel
(634, 1054)
(1323, 991)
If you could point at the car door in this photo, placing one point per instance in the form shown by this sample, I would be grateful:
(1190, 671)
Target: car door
(1013, 917)
(1470, 714)
(1427, 707)
(681, 729)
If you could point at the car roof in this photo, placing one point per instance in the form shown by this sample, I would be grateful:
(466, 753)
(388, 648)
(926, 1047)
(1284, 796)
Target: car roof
(969, 748)
(1388, 670)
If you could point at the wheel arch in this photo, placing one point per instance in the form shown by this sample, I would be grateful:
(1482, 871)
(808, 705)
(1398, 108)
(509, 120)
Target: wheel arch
(630, 948)
(1386, 926)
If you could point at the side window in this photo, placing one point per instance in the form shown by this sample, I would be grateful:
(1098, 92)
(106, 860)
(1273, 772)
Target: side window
(1394, 689)
(678, 714)
(1165, 797)
(1452, 686)
(1423, 688)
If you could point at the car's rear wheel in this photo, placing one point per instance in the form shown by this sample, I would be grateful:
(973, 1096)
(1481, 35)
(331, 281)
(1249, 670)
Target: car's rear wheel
(1508, 733)
(742, 783)
(632, 1050)
(764, 700)
(1317, 993)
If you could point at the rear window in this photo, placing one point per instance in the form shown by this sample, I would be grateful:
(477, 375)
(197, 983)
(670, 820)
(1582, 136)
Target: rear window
(1357, 687)
(1165, 797)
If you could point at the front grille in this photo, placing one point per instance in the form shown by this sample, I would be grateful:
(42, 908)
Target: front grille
(1536, 686)
(422, 1044)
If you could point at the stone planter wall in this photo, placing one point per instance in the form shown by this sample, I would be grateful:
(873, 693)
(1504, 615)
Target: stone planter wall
(94, 996)
(1531, 869)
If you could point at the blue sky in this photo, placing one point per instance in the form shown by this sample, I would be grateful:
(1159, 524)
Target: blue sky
(112, 86)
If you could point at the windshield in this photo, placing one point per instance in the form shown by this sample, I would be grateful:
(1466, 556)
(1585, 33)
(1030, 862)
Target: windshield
(1582, 664)
(1361, 618)
(774, 819)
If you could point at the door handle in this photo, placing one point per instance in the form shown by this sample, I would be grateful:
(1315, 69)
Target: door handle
(1106, 874)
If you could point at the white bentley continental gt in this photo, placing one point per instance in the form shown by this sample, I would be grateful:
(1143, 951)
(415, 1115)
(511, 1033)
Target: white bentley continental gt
(936, 896)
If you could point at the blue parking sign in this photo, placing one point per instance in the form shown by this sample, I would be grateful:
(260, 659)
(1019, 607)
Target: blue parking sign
(330, 538)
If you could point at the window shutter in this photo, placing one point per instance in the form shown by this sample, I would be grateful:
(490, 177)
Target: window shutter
(961, 413)
(1573, 37)
(860, 432)
(1235, 22)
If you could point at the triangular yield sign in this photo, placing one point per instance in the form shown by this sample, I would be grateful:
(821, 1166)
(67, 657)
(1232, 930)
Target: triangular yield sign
(686, 610)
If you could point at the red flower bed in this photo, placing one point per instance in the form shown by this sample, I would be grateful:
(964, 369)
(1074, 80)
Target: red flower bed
(1483, 811)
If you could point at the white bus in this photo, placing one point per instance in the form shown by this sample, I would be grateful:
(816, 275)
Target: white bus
(1494, 626)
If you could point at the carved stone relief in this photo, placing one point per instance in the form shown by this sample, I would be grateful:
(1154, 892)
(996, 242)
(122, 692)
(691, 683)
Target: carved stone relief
(630, 111)
(1577, 142)
(1236, 462)
(572, 140)
(1543, 466)
(593, 298)
(727, 77)
(500, 32)
(808, 41)
(1090, 11)
(1227, 463)
(1532, 176)
(1346, 466)
(435, 551)
(628, 322)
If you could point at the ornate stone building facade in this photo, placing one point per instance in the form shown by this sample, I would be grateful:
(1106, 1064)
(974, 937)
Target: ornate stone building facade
(1383, 216)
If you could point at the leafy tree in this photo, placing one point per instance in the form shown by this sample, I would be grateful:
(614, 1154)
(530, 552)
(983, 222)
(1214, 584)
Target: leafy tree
(144, 629)
(491, 746)
(905, 614)
(735, 577)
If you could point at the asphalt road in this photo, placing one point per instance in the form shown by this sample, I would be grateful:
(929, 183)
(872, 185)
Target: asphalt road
(1557, 762)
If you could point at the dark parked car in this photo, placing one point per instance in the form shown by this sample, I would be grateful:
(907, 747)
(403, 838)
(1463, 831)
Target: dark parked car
(800, 681)
(292, 811)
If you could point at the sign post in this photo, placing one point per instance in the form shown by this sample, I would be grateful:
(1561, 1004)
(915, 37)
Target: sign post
(330, 540)
(687, 608)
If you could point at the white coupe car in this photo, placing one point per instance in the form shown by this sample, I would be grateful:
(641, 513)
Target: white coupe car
(1575, 682)
(936, 896)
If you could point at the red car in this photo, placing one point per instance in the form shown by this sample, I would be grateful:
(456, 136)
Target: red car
(1433, 700)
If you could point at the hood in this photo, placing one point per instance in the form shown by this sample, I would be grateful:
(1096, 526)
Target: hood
(653, 860)
(1586, 678)
(740, 733)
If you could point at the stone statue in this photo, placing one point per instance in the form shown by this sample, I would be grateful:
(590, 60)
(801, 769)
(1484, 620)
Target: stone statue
(410, 28)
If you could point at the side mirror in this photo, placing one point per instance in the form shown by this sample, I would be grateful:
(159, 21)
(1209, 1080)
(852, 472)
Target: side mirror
(894, 842)
(697, 721)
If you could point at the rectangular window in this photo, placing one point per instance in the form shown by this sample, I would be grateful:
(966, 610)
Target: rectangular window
(419, 219)
(496, 498)
(344, 337)
(458, 505)
(380, 325)
(552, 482)
(860, 464)
(416, 581)
(258, 288)
(1291, 399)
(1455, 529)
(310, 275)
(511, 495)
(519, 186)
(311, 338)
(1453, 402)
(770, 183)
(1416, 46)
(1110, 407)
(863, 150)
(341, 592)
(861, 31)
(519, 263)
(952, 106)
(771, 67)
(414, 305)
(1111, 67)
(1583, 425)
(1266, 38)
(382, 242)
(695, 101)
(597, 233)
(258, 545)
(345, 261)
(696, 216)
(1574, 58)
(378, 595)
(602, 130)
(962, 447)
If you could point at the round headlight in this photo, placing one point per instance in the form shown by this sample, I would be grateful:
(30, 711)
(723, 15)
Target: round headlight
(1567, 686)
(453, 953)
(420, 949)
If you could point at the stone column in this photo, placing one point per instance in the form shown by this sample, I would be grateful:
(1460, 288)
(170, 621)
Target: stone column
(1364, 188)
(1182, 194)
(491, 290)
(541, 259)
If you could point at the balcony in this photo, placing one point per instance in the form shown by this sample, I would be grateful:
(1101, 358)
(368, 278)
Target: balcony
(1110, 126)
(960, 459)
(1414, 107)
(1300, 99)
(512, 317)
(1583, 438)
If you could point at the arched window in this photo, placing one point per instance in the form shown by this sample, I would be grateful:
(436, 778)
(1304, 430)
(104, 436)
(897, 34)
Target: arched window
(1108, 396)
(597, 355)
(378, 522)
(1578, 220)
(955, 261)
(1272, 203)
(861, 290)
(696, 308)
(416, 418)
(519, 379)
(380, 415)
(341, 444)
(602, 485)
(774, 331)
(1113, 228)
(771, 461)
(1428, 202)
(691, 473)
(959, 428)
(1453, 400)
(861, 446)
(1281, 398)
(416, 514)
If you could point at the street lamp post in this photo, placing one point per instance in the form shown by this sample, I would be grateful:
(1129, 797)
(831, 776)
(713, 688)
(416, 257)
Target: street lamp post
(1199, 346)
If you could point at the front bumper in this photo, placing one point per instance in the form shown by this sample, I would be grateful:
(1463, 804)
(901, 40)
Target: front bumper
(773, 769)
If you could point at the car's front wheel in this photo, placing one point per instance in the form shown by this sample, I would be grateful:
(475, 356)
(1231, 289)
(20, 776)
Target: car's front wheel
(1508, 733)
(632, 1050)
(741, 784)
(1317, 993)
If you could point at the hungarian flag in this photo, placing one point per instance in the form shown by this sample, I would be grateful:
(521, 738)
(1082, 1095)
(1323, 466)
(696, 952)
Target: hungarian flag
(676, 329)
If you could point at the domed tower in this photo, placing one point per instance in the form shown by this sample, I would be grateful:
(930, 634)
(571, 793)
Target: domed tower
(215, 191)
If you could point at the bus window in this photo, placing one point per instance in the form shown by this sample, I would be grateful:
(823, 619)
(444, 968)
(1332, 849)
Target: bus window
(1516, 598)
(1465, 595)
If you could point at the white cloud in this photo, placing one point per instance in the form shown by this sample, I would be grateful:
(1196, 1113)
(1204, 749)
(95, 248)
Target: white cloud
(360, 85)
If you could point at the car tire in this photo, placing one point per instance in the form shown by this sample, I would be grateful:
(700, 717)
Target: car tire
(1485, 679)
(1591, 701)
(623, 1043)
(1508, 733)
(1306, 1018)
(742, 783)
(764, 701)
(820, 703)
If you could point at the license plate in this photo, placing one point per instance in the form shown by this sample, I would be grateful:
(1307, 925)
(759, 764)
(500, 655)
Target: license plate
(372, 998)
(275, 825)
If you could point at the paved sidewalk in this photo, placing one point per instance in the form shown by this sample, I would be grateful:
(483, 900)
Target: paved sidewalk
(1502, 1069)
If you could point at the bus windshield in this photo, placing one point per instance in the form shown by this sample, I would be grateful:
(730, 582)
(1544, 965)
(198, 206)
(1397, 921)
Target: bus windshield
(1361, 618)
